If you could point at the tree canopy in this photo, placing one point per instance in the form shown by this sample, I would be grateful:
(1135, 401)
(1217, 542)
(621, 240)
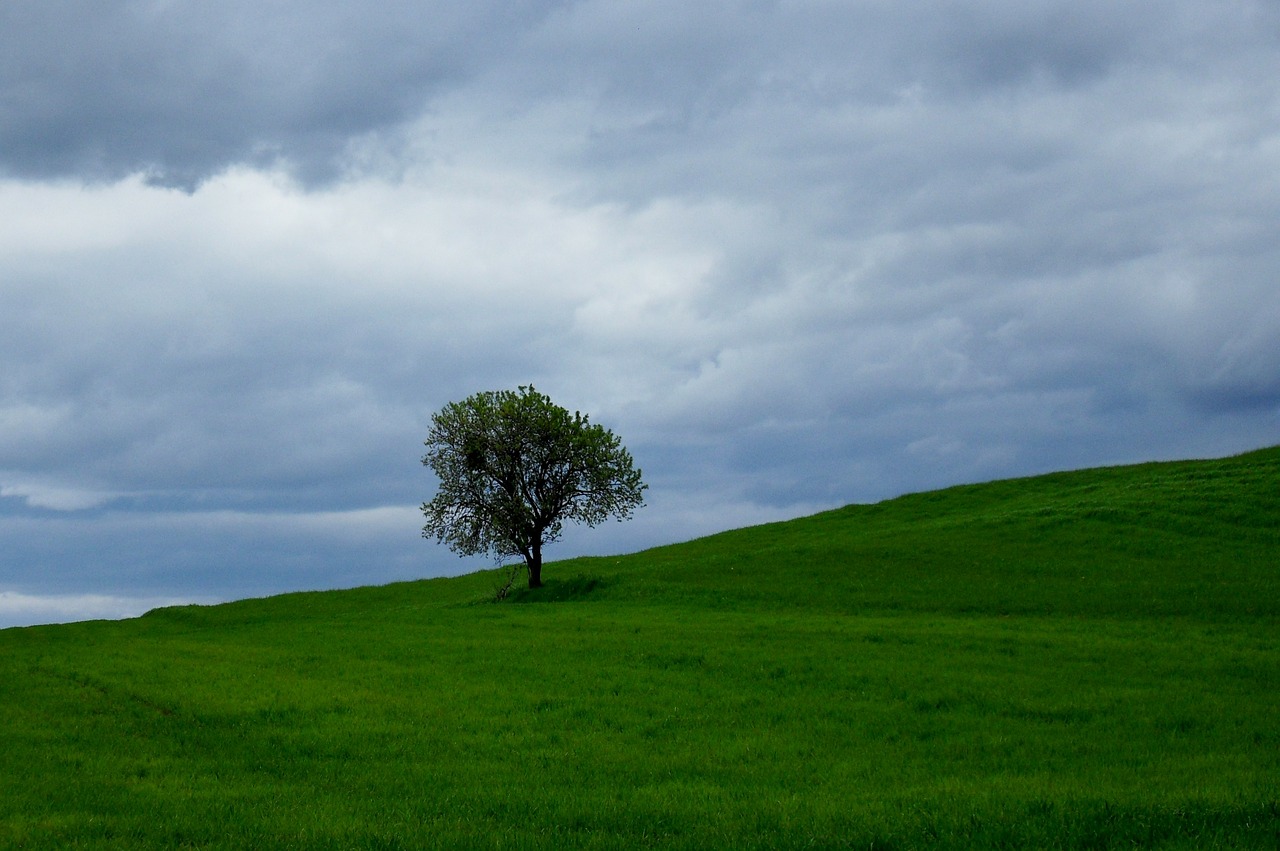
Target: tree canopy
(514, 467)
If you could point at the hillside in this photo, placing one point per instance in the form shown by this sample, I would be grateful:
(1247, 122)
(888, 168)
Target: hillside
(1181, 539)
(1085, 659)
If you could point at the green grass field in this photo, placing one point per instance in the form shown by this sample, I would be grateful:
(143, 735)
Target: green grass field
(1080, 660)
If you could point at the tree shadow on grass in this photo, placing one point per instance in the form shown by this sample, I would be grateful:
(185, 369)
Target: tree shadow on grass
(559, 590)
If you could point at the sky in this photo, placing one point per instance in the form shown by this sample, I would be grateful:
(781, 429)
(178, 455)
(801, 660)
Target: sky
(794, 254)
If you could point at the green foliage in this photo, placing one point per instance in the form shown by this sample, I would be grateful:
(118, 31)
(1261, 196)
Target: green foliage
(514, 467)
(1085, 660)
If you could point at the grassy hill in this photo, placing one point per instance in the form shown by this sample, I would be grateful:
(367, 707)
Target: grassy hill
(1080, 660)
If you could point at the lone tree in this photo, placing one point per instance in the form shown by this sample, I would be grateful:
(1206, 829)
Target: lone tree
(513, 467)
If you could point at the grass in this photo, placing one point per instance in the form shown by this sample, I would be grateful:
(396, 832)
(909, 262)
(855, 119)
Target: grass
(1082, 660)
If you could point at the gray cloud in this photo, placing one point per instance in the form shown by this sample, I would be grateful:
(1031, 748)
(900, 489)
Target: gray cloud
(181, 90)
(795, 254)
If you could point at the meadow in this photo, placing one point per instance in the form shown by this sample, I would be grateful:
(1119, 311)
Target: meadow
(1081, 660)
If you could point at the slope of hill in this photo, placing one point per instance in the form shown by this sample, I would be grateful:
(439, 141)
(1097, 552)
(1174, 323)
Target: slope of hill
(1177, 539)
(1085, 659)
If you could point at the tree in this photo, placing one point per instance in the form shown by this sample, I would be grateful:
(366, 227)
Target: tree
(514, 467)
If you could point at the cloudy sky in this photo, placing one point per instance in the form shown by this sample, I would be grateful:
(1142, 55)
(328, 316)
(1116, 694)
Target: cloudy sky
(796, 254)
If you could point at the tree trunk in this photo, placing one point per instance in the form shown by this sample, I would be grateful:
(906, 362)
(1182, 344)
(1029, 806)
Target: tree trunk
(534, 561)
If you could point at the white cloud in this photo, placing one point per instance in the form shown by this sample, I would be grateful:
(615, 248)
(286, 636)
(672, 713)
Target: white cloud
(33, 609)
(56, 497)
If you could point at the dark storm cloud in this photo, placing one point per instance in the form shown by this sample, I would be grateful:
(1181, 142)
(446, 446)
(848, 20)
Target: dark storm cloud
(181, 90)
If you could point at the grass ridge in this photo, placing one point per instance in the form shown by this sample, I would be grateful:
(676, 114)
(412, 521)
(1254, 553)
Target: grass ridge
(1086, 659)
